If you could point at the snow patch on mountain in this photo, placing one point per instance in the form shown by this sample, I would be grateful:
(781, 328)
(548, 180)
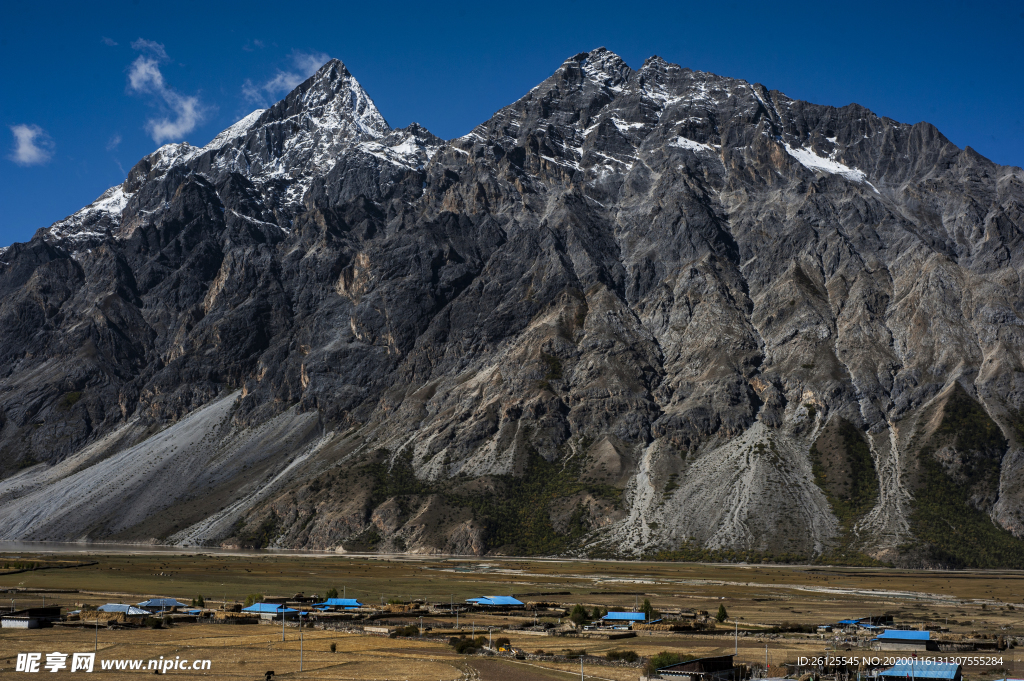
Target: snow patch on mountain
(93, 220)
(812, 161)
(233, 132)
(691, 145)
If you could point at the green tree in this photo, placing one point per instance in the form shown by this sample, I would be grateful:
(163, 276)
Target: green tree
(722, 614)
(253, 598)
(578, 614)
(332, 593)
(648, 610)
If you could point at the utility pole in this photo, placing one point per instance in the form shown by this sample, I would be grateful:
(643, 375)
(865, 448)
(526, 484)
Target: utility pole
(737, 635)
(300, 640)
(96, 643)
(581, 669)
(281, 610)
(766, 660)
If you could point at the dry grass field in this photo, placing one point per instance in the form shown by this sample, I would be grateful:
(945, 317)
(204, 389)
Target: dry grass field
(986, 604)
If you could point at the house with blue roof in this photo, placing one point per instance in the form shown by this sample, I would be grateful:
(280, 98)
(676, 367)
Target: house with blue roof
(623, 618)
(127, 610)
(871, 623)
(338, 604)
(162, 604)
(496, 601)
(898, 639)
(271, 611)
(941, 671)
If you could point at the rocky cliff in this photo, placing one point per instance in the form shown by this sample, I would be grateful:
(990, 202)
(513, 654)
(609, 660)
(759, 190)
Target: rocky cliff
(636, 312)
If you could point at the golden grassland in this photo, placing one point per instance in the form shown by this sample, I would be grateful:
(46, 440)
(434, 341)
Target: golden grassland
(755, 596)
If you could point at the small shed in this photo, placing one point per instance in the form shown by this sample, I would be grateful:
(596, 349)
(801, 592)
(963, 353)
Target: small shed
(942, 671)
(719, 668)
(30, 618)
(896, 639)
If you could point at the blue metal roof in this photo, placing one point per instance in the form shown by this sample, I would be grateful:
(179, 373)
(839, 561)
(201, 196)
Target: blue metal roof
(900, 635)
(923, 670)
(495, 600)
(628, 616)
(121, 607)
(342, 603)
(852, 621)
(267, 607)
(162, 603)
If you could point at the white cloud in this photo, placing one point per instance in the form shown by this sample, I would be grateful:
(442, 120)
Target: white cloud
(144, 77)
(153, 47)
(304, 65)
(109, 42)
(114, 141)
(32, 146)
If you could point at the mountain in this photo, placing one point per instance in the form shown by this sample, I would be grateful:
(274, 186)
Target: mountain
(650, 312)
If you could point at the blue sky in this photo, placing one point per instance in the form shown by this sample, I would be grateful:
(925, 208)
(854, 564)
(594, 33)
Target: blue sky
(87, 92)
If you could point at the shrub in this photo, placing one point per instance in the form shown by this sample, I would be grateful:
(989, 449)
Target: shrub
(252, 599)
(503, 641)
(467, 646)
(168, 621)
(334, 647)
(410, 630)
(151, 622)
(332, 593)
(623, 655)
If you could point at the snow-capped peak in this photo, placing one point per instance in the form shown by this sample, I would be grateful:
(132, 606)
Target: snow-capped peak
(334, 95)
(234, 131)
(605, 68)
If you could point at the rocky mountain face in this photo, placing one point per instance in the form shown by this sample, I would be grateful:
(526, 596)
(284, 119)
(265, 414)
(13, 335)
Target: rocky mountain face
(650, 312)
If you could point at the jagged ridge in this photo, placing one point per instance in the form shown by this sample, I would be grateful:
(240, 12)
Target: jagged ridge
(666, 283)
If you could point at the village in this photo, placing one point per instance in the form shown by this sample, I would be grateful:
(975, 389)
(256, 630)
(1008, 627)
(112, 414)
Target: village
(550, 631)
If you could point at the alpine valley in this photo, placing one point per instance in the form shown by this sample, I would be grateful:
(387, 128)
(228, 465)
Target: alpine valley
(637, 313)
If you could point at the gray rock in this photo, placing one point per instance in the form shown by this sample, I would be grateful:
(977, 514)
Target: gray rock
(612, 319)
